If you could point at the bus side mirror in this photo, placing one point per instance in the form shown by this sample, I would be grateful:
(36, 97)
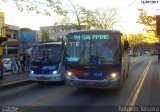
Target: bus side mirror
(126, 45)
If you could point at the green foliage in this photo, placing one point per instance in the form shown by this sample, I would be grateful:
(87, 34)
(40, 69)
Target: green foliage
(75, 11)
(148, 21)
(101, 18)
(63, 20)
(45, 36)
(135, 40)
(45, 7)
(98, 18)
(25, 29)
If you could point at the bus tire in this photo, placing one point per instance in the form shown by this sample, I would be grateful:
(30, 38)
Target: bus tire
(121, 82)
(127, 71)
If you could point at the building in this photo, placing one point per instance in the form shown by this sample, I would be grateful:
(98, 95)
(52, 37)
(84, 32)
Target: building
(59, 31)
(28, 39)
(18, 41)
(12, 44)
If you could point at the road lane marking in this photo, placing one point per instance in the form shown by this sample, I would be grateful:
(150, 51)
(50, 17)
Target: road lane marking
(133, 97)
(45, 99)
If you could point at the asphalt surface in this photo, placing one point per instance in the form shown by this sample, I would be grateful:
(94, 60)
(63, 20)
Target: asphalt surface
(150, 91)
(11, 79)
(58, 97)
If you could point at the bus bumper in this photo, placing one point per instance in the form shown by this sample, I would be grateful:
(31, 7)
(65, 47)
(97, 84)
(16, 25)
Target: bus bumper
(104, 84)
(47, 77)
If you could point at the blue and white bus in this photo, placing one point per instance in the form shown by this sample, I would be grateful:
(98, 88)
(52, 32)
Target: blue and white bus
(47, 63)
(96, 59)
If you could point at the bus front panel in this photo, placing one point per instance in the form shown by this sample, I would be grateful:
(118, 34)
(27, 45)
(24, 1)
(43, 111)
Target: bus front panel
(93, 58)
(47, 64)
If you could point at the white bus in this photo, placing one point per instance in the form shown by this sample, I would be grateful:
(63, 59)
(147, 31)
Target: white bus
(47, 63)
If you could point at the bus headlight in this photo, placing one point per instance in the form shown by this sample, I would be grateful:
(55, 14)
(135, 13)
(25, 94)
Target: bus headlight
(55, 72)
(70, 75)
(113, 76)
(32, 72)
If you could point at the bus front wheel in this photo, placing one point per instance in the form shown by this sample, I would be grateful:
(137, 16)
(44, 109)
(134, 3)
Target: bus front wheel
(127, 71)
(120, 84)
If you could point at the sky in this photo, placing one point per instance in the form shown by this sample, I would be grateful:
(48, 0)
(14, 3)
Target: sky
(128, 12)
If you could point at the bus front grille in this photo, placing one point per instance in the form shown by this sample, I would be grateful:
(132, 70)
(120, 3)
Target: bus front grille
(91, 78)
(42, 72)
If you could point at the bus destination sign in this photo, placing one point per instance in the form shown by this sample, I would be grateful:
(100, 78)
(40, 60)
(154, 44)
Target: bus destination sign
(90, 37)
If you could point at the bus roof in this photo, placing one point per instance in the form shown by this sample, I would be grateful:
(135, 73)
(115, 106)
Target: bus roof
(96, 31)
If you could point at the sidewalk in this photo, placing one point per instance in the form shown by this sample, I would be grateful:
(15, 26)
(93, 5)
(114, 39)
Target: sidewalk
(10, 79)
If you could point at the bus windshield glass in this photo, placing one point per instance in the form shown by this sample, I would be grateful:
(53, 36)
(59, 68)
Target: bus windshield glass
(93, 49)
(47, 54)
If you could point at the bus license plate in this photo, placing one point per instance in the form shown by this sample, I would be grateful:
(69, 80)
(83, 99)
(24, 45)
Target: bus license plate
(43, 77)
(90, 83)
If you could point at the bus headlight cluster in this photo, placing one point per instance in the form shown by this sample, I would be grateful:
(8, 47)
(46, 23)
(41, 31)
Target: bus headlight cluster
(55, 72)
(32, 72)
(113, 76)
(70, 75)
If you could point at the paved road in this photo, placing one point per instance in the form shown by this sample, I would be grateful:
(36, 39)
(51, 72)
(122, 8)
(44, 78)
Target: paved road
(59, 96)
(10, 79)
(150, 91)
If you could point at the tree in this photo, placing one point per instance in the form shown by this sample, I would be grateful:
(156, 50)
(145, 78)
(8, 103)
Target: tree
(63, 20)
(136, 41)
(99, 18)
(102, 18)
(88, 17)
(74, 14)
(149, 22)
(75, 10)
(25, 29)
(40, 7)
(45, 36)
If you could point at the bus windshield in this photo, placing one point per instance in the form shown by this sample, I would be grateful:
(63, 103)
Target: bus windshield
(47, 54)
(93, 49)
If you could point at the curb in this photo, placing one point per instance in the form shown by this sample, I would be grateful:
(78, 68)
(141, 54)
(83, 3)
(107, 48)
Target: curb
(13, 84)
